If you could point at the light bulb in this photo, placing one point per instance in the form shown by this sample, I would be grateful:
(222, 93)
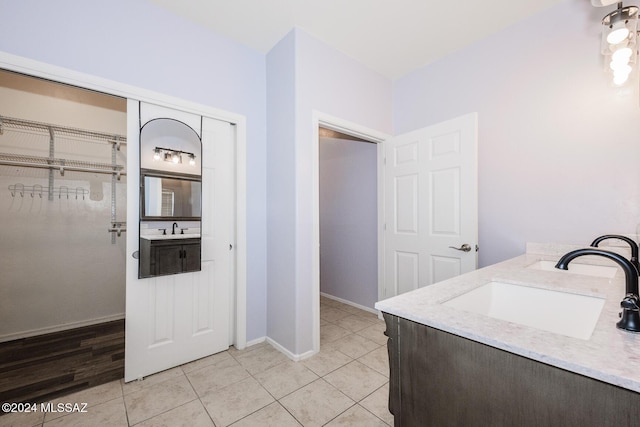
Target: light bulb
(619, 63)
(623, 70)
(618, 35)
(175, 158)
(192, 160)
(621, 75)
(156, 154)
(620, 54)
(620, 79)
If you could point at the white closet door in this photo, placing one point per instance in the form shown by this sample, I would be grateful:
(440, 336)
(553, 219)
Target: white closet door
(172, 320)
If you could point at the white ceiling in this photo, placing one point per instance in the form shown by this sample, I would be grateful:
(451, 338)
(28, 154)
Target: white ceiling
(392, 37)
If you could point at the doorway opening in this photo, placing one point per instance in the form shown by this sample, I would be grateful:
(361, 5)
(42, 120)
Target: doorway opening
(348, 219)
(63, 196)
(348, 133)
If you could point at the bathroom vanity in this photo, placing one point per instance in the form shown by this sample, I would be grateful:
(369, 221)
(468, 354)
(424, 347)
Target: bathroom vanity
(451, 366)
(161, 256)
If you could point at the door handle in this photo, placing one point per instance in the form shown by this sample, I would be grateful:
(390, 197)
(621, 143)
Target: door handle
(464, 248)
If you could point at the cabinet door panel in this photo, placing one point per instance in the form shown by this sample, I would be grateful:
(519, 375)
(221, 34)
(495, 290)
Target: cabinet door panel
(191, 257)
(168, 259)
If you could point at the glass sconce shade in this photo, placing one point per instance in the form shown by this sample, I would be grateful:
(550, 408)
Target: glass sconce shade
(619, 36)
(619, 28)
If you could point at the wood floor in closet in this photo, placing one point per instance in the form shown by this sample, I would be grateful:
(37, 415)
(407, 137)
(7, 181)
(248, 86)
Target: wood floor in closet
(37, 369)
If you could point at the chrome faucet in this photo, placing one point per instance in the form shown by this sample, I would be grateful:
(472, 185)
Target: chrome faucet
(173, 228)
(630, 316)
(630, 242)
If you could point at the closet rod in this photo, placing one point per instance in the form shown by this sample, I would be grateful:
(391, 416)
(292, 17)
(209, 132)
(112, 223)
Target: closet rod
(61, 165)
(61, 168)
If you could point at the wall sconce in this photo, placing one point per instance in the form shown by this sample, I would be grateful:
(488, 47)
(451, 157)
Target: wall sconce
(619, 37)
(173, 156)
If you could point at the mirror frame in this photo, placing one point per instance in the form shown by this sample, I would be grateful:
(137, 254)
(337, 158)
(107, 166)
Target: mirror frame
(163, 174)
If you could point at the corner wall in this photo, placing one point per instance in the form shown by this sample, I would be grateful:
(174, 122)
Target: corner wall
(327, 81)
(332, 83)
(281, 202)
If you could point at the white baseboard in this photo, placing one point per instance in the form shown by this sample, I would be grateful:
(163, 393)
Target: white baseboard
(59, 328)
(353, 304)
(255, 341)
(290, 355)
(308, 354)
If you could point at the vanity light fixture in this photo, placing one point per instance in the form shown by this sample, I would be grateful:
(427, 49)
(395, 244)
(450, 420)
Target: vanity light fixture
(619, 38)
(173, 156)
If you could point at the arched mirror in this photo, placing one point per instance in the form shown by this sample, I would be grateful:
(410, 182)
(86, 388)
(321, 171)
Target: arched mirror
(170, 198)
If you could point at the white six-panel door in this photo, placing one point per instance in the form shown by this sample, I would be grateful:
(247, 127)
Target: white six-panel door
(430, 205)
(171, 320)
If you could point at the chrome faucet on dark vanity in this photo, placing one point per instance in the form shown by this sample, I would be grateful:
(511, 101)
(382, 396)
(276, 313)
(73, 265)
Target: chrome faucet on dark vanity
(630, 242)
(630, 316)
(173, 228)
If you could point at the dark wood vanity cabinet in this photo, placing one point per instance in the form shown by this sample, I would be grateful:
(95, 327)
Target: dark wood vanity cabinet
(441, 379)
(162, 257)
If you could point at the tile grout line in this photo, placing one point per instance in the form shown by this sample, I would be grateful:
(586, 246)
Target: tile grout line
(198, 397)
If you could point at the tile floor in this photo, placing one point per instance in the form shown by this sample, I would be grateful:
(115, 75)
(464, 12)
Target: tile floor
(345, 384)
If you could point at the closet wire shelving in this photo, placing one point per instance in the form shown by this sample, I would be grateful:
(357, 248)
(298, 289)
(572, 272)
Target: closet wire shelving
(52, 163)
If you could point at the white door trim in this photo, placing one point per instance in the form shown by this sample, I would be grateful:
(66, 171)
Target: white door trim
(51, 72)
(334, 123)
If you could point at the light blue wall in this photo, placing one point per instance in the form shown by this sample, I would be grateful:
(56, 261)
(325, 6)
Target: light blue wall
(281, 243)
(137, 43)
(558, 146)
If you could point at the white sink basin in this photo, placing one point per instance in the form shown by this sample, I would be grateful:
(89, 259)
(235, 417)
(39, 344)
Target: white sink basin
(563, 313)
(577, 268)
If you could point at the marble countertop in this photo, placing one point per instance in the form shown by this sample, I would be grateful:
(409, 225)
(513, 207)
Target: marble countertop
(610, 355)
